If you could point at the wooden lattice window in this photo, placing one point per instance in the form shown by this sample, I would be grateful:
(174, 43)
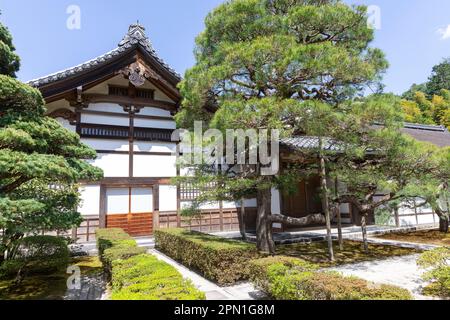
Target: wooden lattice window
(118, 91)
(188, 192)
(145, 93)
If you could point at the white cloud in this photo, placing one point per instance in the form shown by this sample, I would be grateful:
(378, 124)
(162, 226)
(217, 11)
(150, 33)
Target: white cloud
(444, 32)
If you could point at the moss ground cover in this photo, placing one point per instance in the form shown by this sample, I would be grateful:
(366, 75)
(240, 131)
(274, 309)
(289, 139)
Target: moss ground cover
(424, 237)
(47, 287)
(287, 278)
(317, 252)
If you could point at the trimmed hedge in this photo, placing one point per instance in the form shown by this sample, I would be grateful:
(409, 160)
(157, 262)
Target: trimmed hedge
(286, 278)
(221, 260)
(116, 244)
(37, 255)
(144, 277)
(139, 276)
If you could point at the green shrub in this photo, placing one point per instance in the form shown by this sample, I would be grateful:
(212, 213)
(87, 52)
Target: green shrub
(138, 276)
(121, 252)
(437, 261)
(221, 260)
(115, 244)
(106, 238)
(286, 278)
(144, 277)
(37, 255)
(279, 264)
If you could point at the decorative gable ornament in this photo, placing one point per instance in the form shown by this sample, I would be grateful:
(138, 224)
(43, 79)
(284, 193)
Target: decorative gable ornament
(136, 35)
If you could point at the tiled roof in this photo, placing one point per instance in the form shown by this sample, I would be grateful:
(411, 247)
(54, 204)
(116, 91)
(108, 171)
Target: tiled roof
(134, 38)
(307, 142)
(436, 135)
(439, 136)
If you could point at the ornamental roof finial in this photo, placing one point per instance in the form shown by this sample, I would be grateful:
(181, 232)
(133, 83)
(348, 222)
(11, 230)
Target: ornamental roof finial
(136, 35)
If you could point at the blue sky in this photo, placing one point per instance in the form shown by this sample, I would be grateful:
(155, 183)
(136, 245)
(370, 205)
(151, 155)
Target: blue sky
(409, 33)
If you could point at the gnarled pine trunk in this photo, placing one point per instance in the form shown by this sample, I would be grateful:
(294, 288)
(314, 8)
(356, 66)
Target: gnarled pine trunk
(242, 227)
(263, 223)
(325, 199)
(443, 225)
(443, 218)
(265, 219)
(364, 231)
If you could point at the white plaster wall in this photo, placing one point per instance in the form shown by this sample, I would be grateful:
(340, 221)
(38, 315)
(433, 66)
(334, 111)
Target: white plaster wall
(159, 124)
(66, 124)
(152, 111)
(117, 200)
(345, 208)
(154, 147)
(113, 165)
(250, 203)
(167, 198)
(90, 200)
(230, 205)
(105, 120)
(214, 205)
(276, 204)
(110, 145)
(141, 200)
(154, 166)
(106, 107)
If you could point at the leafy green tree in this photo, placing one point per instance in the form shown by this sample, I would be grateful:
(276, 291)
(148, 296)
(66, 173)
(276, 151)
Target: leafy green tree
(440, 78)
(262, 64)
(410, 94)
(434, 188)
(40, 161)
(379, 160)
(427, 111)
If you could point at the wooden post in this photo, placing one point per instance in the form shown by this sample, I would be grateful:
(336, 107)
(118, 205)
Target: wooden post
(74, 234)
(415, 212)
(221, 214)
(102, 210)
(87, 230)
(397, 218)
(156, 207)
(242, 220)
(178, 188)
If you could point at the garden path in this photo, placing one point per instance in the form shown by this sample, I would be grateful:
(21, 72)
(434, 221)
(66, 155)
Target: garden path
(400, 271)
(243, 291)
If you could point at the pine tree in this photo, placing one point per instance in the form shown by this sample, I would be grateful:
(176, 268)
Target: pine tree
(40, 161)
(268, 64)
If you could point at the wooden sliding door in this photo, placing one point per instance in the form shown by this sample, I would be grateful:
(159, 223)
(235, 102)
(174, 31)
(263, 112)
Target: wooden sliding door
(130, 208)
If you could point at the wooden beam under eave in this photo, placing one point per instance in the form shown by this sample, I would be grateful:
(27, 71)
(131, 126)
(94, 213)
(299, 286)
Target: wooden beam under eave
(122, 100)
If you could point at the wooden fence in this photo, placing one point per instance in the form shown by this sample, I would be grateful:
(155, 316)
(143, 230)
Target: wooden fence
(86, 231)
(210, 221)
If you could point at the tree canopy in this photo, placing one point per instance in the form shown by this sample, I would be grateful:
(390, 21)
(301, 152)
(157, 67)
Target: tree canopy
(429, 103)
(264, 64)
(41, 162)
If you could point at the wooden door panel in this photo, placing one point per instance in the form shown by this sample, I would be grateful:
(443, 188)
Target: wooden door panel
(130, 209)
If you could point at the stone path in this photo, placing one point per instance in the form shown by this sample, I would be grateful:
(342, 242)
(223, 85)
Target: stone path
(399, 271)
(244, 291)
(92, 287)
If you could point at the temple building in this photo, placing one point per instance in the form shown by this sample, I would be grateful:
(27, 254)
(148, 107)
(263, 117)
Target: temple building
(122, 105)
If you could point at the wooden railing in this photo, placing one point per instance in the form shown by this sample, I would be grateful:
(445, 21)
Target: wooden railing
(210, 221)
(86, 231)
